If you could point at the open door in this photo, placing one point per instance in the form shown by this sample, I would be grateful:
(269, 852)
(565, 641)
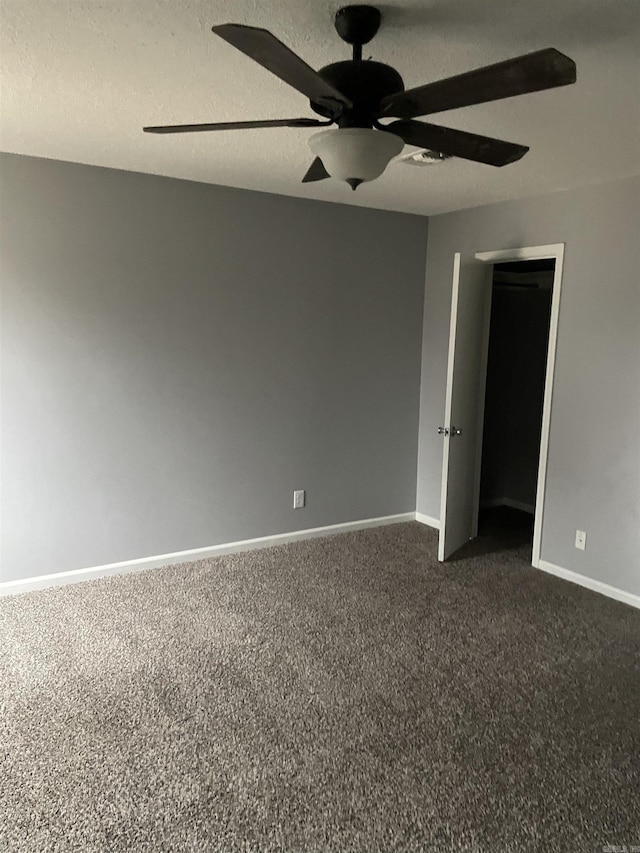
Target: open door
(466, 376)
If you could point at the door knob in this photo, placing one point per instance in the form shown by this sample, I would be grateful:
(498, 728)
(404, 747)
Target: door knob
(449, 431)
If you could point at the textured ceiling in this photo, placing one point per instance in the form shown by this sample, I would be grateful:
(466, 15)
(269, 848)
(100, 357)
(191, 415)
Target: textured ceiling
(79, 79)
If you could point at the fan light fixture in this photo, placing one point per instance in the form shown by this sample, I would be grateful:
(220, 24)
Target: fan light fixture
(355, 154)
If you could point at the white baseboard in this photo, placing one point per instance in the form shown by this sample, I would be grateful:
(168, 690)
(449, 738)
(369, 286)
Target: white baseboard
(524, 507)
(428, 520)
(77, 575)
(590, 583)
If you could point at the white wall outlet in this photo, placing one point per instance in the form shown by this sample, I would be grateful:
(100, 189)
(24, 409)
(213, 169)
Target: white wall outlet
(298, 499)
(581, 539)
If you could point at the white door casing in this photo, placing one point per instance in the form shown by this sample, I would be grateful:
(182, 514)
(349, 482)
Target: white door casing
(532, 253)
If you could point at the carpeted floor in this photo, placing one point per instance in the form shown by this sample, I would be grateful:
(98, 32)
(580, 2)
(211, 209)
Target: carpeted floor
(340, 694)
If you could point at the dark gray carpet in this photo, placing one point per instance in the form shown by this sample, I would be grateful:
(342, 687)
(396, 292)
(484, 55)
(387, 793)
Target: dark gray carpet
(340, 694)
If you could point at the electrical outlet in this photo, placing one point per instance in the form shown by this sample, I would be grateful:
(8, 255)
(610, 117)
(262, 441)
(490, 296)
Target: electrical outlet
(298, 499)
(581, 539)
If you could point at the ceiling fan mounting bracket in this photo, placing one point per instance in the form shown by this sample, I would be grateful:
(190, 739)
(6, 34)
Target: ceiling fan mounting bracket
(357, 25)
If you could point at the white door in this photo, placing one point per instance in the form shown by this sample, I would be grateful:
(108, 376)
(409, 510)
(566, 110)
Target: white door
(464, 403)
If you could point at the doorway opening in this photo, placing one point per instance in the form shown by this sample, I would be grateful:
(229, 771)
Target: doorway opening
(462, 428)
(518, 344)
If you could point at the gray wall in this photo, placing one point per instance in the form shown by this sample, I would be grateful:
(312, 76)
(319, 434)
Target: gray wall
(593, 480)
(177, 358)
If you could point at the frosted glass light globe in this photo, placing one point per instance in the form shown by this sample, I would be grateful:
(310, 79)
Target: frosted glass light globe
(355, 154)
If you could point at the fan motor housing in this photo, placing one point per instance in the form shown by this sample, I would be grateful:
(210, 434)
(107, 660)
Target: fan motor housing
(366, 84)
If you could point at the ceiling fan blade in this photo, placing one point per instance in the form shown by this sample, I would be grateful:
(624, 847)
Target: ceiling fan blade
(544, 69)
(457, 143)
(264, 48)
(315, 172)
(236, 125)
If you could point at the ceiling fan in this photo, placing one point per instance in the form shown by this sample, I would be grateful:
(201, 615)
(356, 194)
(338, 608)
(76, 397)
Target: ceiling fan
(358, 94)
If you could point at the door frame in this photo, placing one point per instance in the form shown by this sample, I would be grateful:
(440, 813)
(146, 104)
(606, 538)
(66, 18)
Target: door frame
(553, 251)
